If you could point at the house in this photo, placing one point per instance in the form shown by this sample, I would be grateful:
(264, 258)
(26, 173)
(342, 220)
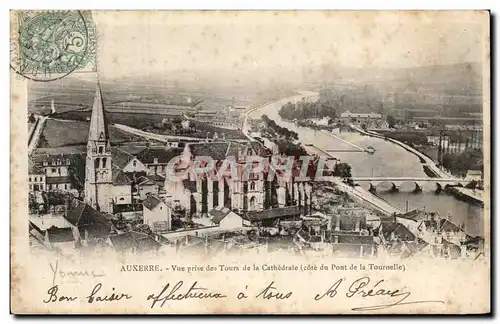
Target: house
(127, 162)
(325, 121)
(61, 239)
(150, 184)
(133, 242)
(50, 172)
(86, 222)
(349, 234)
(196, 245)
(226, 219)
(271, 217)
(39, 225)
(36, 177)
(313, 241)
(156, 159)
(353, 245)
(474, 175)
(157, 214)
(359, 118)
(393, 231)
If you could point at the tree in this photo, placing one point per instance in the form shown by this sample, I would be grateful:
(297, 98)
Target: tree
(32, 204)
(42, 141)
(31, 118)
(471, 185)
(342, 170)
(77, 173)
(391, 121)
(54, 198)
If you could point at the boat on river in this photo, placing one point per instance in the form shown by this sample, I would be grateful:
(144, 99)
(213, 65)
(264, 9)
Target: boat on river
(370, 150)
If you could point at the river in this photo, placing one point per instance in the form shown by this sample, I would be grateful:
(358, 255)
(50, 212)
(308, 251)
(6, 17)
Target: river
(388, 160)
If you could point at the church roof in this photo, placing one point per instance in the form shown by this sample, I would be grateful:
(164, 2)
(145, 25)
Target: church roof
(98, 124)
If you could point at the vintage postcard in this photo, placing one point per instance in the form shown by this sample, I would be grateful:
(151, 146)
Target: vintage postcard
(250, 162)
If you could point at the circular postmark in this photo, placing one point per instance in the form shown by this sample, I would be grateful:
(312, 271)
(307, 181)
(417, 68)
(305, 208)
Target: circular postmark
(51, 45)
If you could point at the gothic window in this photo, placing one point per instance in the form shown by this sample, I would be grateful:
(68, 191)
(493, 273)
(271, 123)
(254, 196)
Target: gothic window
(155, 161)
(100, 149)
(96, 163)
(252, 185)
(253, 202)
(104, 160)
(134, 163)
(30, 179)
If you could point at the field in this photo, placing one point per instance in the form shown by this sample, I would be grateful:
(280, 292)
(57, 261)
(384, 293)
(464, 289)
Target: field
(148, 121)
(68, 133)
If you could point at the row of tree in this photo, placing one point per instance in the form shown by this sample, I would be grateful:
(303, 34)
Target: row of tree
(459, 163)
(305, 110)
(282, 131)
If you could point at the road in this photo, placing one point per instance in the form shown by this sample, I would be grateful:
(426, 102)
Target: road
(153, 136)
(161, 137)
(34, 137)
(437, 180)
(367, 197)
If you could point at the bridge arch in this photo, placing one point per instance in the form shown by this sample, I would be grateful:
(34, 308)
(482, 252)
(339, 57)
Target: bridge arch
(406, 186)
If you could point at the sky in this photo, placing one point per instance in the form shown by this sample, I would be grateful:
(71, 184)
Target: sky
(133, 43)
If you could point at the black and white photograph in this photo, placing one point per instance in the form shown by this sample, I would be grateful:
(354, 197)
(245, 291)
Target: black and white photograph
(349, 138)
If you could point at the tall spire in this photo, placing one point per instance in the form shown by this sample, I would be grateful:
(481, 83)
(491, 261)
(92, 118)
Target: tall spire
(98, 125)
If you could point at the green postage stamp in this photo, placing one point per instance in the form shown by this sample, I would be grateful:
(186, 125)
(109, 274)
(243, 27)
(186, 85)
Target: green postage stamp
(48, 45)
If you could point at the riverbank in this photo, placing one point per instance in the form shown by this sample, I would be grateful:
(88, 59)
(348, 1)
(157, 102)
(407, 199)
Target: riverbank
(430, 168)
(360, 195)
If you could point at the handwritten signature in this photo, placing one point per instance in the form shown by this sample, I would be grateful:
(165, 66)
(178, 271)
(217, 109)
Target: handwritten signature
(363, 288)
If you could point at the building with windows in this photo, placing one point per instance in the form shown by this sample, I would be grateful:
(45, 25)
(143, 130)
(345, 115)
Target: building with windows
(360, 118)
(36, 177)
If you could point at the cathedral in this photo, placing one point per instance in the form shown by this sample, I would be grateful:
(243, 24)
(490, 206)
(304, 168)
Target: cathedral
(110, 175)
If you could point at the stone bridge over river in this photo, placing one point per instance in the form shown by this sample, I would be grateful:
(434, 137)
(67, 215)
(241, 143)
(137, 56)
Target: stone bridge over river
(397, 182)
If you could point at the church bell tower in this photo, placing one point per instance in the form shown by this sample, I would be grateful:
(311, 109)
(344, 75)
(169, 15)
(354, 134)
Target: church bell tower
(98, 170)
